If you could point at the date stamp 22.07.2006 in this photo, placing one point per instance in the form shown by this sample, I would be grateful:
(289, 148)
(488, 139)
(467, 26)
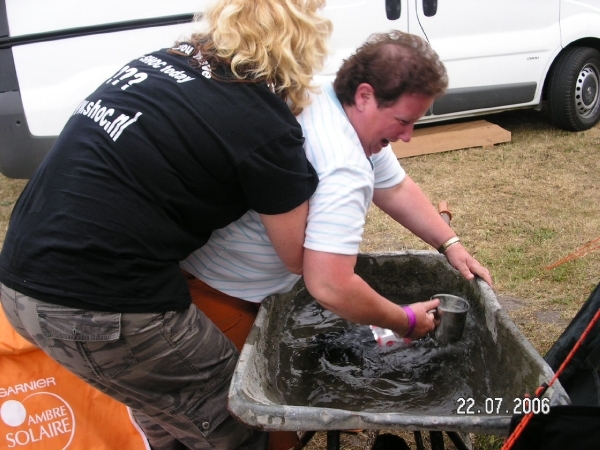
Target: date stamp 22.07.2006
(499, 406)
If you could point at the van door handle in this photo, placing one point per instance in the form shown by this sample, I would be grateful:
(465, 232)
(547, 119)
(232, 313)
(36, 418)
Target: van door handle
(392, 9)
(430, 7)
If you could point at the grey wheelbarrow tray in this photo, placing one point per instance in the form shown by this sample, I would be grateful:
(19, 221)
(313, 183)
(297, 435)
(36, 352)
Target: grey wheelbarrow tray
(255, 399)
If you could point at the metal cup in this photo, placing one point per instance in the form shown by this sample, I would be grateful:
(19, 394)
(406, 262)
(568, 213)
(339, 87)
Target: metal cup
(452, 313)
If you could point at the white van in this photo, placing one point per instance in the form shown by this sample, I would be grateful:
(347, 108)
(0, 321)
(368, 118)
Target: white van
(499, 55)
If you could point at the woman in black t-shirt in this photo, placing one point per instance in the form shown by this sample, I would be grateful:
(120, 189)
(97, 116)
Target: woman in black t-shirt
(175, 144)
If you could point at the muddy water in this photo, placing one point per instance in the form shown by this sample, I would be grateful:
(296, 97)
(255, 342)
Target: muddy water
(326, 361)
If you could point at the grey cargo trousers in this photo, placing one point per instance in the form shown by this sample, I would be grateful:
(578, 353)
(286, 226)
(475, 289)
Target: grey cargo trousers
(174, 367)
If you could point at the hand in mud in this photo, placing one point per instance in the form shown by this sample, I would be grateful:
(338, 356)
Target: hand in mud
(426, 320)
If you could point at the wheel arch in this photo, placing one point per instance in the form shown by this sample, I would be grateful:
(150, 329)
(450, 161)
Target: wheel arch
(590, 42)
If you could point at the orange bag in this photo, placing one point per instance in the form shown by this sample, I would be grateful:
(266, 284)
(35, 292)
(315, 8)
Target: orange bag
(45, 407)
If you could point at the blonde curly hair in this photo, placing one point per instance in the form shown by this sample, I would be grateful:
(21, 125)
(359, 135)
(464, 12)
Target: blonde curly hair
(280, 42)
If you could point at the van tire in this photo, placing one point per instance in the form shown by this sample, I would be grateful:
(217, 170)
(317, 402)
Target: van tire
(574, 89)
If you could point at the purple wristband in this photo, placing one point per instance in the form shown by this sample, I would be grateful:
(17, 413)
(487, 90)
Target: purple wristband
(412, 320)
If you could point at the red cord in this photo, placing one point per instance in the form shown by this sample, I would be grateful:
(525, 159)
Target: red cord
(508, 444)
(590, 246)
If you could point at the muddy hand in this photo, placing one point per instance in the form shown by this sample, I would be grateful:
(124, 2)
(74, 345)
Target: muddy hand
(425, 318)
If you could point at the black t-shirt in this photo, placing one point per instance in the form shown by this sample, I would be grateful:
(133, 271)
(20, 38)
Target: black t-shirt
(156, 158)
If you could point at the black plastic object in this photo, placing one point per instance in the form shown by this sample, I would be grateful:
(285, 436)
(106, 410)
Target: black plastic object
(430, 7)
(393, 9)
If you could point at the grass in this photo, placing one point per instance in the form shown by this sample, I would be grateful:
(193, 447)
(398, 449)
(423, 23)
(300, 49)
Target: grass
(518, 207)
(10, 190)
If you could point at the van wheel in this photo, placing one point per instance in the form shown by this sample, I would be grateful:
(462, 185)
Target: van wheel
(573, 89)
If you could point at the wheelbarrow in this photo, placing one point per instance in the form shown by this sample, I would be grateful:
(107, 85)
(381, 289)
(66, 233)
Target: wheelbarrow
(474, 386)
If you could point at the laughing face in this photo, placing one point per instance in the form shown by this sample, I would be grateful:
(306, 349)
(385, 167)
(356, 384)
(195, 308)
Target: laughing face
(377, 127)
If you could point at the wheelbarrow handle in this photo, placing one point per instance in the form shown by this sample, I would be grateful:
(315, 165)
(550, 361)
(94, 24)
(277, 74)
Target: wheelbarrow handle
(444, 211)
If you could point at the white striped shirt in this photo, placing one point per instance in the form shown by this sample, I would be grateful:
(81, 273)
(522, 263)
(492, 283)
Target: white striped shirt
(239, 259)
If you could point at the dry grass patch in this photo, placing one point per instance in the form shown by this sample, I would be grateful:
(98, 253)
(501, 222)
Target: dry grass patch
(9, 192)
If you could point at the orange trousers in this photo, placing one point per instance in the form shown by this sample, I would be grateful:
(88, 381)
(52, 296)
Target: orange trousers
(235, 317)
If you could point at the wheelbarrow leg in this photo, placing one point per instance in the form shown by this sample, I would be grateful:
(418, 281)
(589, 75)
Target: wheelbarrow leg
(305, 437)
(333, 440)
(437, 440)
(419, 440)
(457, 440)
